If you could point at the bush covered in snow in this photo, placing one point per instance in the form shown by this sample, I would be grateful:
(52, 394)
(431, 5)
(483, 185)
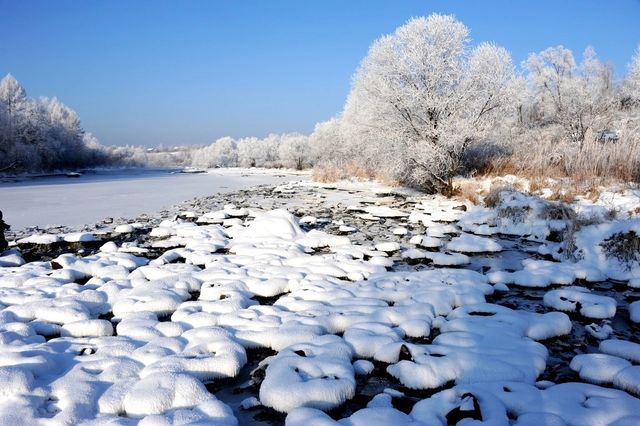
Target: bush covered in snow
(624, 246)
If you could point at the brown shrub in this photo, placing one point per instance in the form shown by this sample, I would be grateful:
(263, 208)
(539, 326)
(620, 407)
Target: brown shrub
(492, 199)
(327, 173)
(468, 190)
(537, 184)
(515, 214)
(565, 195)
(358, 171)
(557, 211)
(582, 166)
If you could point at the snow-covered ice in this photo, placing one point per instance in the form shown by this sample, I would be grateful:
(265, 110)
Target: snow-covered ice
(102, 194)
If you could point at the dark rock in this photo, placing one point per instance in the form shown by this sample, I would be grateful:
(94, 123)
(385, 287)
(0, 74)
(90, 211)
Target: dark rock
(405, 355)
(457, 414)
(3, 227)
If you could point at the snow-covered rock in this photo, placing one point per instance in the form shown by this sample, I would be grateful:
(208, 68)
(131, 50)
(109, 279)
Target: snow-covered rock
(468, 243)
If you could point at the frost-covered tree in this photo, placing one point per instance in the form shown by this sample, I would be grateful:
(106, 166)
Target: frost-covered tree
(271, 150)
(13, 97)
(41, 135)
(328, 145)
(630, 91)
(251, 152)
(13, 102)
(420, 97)
(295, 151)
(222, 153)
(225, 152)
(289, 150)
(574, 97)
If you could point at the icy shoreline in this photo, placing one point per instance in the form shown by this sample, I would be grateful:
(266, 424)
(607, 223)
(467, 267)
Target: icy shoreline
(365, 302)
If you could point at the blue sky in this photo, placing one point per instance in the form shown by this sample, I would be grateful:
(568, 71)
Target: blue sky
(188, 72)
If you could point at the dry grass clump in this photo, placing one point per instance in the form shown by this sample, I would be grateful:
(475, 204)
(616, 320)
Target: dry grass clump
(557, 211)
(514, 214)
(619, 160)
(624, 246)
(385, 179)
(499, 166)
(327, 173)
(581, 167)
(538, 184)
(567, 195)
(492, 199)
(358, 171)
(468, 190)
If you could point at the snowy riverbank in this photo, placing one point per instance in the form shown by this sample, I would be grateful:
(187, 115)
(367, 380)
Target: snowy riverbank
(380, 305)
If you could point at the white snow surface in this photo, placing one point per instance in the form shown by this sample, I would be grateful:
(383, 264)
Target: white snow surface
(339, 309)
(580, 300)
(467, 243)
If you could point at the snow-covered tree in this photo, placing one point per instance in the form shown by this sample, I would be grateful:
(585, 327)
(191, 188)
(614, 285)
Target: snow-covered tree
(328, 145)
(630, 90)
(271, 150)
(251, 152)
(12, 95)
(420, 98)
(574, 97)
(13, 101)
(225, 152)
(295, 151)
(41, 135)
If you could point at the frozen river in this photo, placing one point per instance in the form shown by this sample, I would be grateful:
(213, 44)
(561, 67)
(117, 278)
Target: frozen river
(60, 200)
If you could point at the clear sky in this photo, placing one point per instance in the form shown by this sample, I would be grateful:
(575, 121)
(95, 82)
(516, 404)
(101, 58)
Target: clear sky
(188, 72)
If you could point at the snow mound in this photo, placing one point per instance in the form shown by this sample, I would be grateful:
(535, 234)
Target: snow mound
(387, 246)
(385, 212)
(159, 393)
(608, 247)
(599, 369)
(273, 224)
(87, 328)
(468, 243)
(543, 273)
(425, 241)
(621, 348)
(477, 343)
(317, 375)
(44, 239)
(580, 300)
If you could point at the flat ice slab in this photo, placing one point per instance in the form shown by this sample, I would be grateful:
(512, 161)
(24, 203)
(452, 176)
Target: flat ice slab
(58, 200)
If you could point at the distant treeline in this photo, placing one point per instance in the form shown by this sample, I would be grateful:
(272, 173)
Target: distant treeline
(290, 150)
(44, 135)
